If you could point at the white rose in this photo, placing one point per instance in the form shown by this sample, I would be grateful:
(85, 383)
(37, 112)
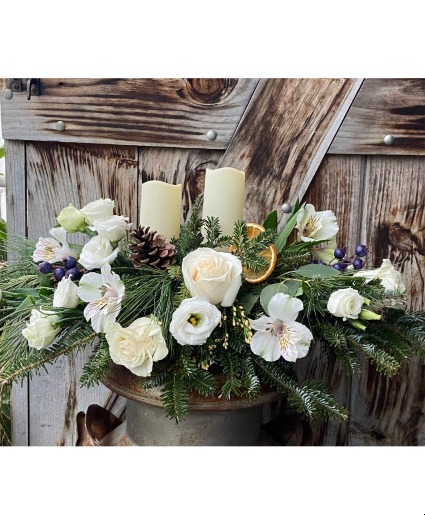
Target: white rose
(137, 346)
(345, 303)
(101, 209)
(211, 275)
(390, 278)
(97, 252)
(41, 330)
(71, 219)
(114, 228)
(193, 321)
(65, 295)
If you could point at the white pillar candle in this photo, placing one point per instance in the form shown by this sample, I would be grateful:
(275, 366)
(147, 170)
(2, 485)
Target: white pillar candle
(224, 196)
(161, 207)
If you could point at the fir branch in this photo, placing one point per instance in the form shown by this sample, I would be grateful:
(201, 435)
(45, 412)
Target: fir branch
(190, 234)
(5, 417)
(231, 365)
(175, 398)
(98, 365)
(194, 377)
(249, 379)
(157, 379)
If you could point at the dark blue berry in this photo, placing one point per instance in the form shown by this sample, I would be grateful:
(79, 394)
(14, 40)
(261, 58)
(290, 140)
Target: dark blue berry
(357, 264)
(69, 262)
(45, 267)
(59, 274)
(75, 273)
(314, 261)
(361, 250)
(339, 254)
(339, 266)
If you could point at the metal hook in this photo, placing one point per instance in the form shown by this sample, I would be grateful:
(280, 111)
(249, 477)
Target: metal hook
(32, 88)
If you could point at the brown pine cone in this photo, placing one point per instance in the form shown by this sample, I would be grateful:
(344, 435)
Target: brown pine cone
(148, 248)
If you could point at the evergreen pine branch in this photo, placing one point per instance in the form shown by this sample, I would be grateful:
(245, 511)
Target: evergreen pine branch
(249, 379)
(310, 398)
(194, 377)
(410, 327)
(5, 417)
(231, 364)
(157, 379)
(174, 396)
(190, 234)
(98, 365)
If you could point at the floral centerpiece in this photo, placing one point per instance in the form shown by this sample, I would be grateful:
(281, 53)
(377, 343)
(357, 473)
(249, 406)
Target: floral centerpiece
(179, 310)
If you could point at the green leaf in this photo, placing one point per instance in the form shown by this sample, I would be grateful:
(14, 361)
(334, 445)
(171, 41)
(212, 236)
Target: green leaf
(3, 231)
(289, 286)
(280, 241)
(271, 221)
(2, 152)
(248, 301)
(44, 280)
(317, 271)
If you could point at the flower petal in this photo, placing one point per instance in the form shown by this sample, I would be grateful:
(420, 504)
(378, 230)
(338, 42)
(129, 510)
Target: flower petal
(265, 345)
(284, 307)
(90, 286)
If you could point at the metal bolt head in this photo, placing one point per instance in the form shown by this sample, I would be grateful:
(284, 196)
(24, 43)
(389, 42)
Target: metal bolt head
(287, 207)
(389, 139)
(8, 93)
(60, 125)
(211, 135)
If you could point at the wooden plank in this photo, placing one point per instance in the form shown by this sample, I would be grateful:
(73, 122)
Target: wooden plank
(283, 137)
(391, 411)
(17, 224)
(338, 186)
(383, 107)
(179, 166)
(162, 112)
(59, 174)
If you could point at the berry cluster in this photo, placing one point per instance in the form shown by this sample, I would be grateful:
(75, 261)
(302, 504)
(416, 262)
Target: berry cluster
(69, 268)
(356, 261)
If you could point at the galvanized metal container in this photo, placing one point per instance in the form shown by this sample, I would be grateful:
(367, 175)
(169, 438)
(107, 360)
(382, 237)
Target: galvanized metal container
(210, 421)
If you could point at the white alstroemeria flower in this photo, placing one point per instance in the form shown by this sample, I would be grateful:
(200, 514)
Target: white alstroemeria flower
(390, 278)
(104, 293)
(316, 225)
(53, 249)
(325, 251)
(278, 334)
(193, 321)
(100, 209)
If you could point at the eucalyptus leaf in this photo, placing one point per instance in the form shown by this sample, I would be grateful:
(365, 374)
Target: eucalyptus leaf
(321, 271)
(269, 291)
(44, 280)
(271, 221)
(248, 302)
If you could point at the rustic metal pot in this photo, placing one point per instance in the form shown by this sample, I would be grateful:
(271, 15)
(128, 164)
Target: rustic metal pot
(210, 421)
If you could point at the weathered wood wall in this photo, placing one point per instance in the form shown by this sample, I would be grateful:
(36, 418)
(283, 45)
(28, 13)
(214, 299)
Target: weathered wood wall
(120, 133)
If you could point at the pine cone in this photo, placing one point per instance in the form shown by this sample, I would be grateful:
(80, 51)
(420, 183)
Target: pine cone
(148, 248)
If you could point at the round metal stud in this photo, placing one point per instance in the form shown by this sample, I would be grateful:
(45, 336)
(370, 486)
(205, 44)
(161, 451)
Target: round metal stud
(389, 139)
(211, 135)
(60, 125)
(8, 93)
(287, 207)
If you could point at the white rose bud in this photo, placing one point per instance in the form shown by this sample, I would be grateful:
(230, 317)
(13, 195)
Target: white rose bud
(345, 303)
(193, 321)
(114, 228)
(41, 330)
(65, 295)
(97, 252)
(71, 219)
(137, 346)
(213, 276)
(101, 209)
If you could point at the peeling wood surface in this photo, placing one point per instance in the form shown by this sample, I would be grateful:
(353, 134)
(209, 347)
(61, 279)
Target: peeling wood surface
(59, 174)
(384, 106)
(17, 224)
(163, 112)
(283, 136)
(391, 411)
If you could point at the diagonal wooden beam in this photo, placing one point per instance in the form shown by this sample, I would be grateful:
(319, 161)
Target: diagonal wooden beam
(283, 136)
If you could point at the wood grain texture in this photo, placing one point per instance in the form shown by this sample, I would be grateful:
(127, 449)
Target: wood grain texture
(179, 166)
(284, 135)
(17, 224)
(59, 174)
(163, 112)
(391, 411)
(338, 185)
(384, 106)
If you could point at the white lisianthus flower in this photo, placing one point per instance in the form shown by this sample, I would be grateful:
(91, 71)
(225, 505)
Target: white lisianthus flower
(104, 293)
(114, 228)
(137, 346)
(345, 303)
(71, 219)
(65, 295)
(213, 276)
(97, 252)
(41, 329)
(390, 278)
(98, 210)
(278, 334)
(53, 249)
(315, 225)
(193, 321)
